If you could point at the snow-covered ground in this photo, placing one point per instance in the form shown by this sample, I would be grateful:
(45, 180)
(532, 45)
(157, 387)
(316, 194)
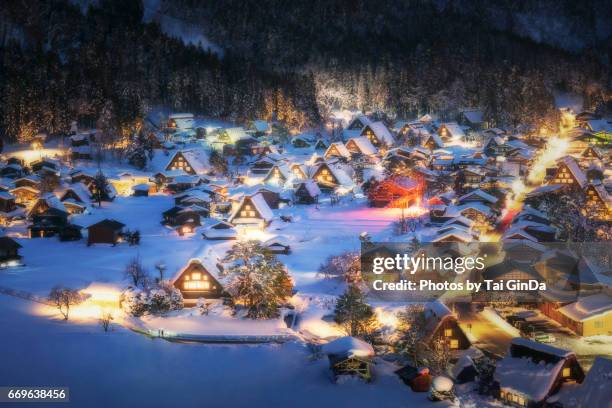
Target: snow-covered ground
(121, 368)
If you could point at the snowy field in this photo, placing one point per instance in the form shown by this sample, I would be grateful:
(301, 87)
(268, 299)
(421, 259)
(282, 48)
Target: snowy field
(121, 369)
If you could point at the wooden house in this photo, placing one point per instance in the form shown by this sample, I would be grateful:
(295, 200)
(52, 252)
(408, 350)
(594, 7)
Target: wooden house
(299, 171)
(594, 391)
(44, 163)
(180, 216)
(278, 175)
(306, 192)
(360, 146)
(531, 372)
(32, 181)
(337, 150)
(442, 327)
(598, 202)
(253, 211)
(278, 245)
(329, 178)
(474, 118)
(7, 202)
(199, 279)
(193, 161)
(432, 141)
(450, 131)
(320, 144)
(12, 171)
(358, 122)
(569, 173)
(349, 356)
(263, 165)
(588, 316)
(9, 250)
(220, 230)
(106, 231)
(378, 134)
(50, 222)
(25, 195)
(396, 192)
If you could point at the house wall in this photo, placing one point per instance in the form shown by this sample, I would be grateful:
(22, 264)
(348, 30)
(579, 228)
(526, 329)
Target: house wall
(100, 235)
(597, 326)
(214, 291)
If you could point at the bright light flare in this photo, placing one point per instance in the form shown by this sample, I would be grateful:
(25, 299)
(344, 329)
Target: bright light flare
(554, 150)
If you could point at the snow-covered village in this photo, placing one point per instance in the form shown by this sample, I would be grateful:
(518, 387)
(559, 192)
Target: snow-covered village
(231, 235)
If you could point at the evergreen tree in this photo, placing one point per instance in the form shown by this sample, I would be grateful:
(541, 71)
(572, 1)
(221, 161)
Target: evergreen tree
(354, 314)
(257, 279)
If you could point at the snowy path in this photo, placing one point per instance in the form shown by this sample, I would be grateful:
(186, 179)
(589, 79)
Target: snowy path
(121, 369)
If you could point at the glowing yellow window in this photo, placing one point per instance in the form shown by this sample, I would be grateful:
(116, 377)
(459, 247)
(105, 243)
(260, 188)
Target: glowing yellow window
(196, 276)
(567, 372)
(448, 332)
(454, 344)
(520, 400)
(251, 213)
(247, 207)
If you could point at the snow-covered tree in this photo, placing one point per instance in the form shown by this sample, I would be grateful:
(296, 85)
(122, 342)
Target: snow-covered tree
(346, 266)
(63, 298)
(257, 280)
(353, 313)
(412, 324)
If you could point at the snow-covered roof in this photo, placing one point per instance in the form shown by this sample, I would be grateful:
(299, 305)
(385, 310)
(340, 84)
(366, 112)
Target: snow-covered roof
(527, 378)
(364, 145)
(541, 347)
(310, 186)
(340, 148)
(381, 132)
(575, 169)
(196, 157)
(588, 307)
(348, 347)
(479, 194)
(594, 390)
(6, 195)
(454, 130)
(261, 206)
(236, 133)
(454, 232)
(261, 126)
(434, 136)
(80, 190)
(474, 116)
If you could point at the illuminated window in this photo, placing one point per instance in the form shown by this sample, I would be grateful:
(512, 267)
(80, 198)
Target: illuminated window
(520, 400)
(567, 372)
(502, 394)
(251, 213)
(196, 276)
(196, 285)
(454, 344)
(448, 332)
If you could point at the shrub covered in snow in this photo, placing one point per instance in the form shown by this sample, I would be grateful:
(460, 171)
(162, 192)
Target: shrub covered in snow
(156, 300)
(257, 279)
(346, 265)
